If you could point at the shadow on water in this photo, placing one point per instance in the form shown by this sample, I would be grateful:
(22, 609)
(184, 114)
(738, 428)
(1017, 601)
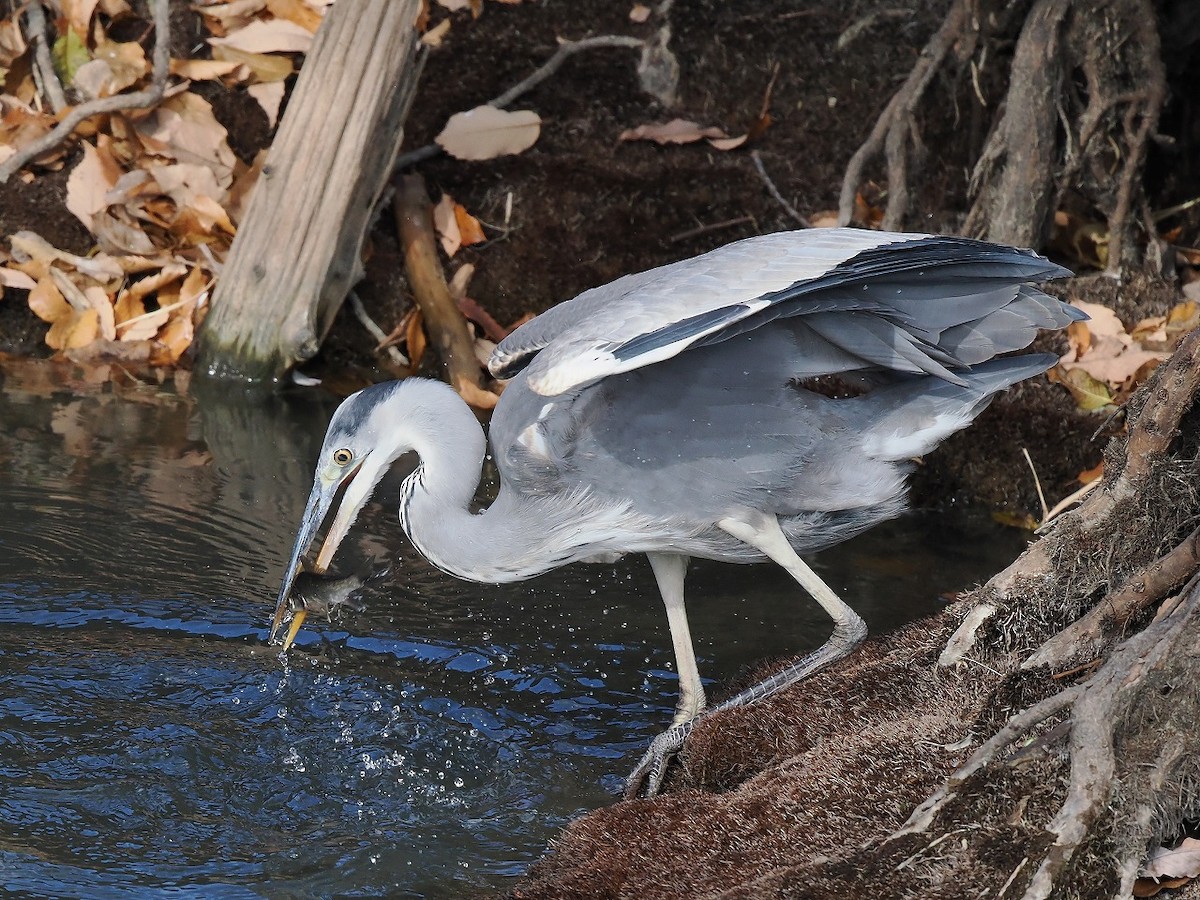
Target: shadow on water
(428, 746)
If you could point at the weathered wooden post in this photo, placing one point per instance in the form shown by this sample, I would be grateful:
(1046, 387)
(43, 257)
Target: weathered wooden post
(297, 252)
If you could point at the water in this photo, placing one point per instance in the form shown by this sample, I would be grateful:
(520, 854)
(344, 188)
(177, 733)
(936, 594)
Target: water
(151, 745)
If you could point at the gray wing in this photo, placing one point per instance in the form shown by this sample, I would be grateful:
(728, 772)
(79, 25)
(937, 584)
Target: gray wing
(911, 303)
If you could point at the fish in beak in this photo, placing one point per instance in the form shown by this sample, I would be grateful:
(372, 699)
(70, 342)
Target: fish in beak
(330, 479)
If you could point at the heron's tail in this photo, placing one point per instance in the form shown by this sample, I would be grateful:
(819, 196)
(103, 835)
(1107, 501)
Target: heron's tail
(915, 415)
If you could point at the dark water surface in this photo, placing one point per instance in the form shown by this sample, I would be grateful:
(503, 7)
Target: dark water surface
(151, 745)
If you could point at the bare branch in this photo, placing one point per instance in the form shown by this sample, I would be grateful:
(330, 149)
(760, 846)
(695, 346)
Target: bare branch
(774, 191)
(142, 99)
(548, 68)
(43, 66)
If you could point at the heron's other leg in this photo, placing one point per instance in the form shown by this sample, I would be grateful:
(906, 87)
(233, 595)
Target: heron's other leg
(849, 630)
(669, 571)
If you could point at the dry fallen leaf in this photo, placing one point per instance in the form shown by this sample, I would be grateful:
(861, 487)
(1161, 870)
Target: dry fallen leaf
(677, 131)
(267, 36)
(270, 97)
(1178, 862)
(446, 225)
(1089, 393)
(486, 132)
(639, 14)
(90, 181)
(435, 35)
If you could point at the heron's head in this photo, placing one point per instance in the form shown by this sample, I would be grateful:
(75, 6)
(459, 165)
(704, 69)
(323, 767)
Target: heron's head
(360, 444)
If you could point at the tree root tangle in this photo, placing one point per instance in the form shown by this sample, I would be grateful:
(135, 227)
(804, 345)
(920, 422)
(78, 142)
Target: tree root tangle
(1081, 103)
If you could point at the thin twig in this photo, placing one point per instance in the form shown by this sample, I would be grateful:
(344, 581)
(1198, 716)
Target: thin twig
(705, 229)
(43, 66)
(774, 191)
(1037, 483)
(142, 99)
(360, 313)
(548, 68)
(903, 103)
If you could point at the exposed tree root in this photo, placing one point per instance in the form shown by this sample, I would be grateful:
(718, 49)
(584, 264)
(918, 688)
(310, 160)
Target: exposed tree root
(895, 132)
(447, 328)
(1083, 97)
(1099, 707)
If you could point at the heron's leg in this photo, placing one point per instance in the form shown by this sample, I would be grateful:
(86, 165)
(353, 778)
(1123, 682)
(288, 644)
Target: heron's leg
(669, 571)
(849, 630)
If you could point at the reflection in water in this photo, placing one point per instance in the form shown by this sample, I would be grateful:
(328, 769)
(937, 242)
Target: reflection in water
(429, 744)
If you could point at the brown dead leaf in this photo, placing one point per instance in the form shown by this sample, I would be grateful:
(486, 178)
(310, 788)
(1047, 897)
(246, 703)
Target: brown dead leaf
(203, 69)
(14, 278)
(269, 96)
(70, 326)
(296, 11)
(12, 44)
(133, 353)
(1149, 887)
(21, 125)
(90, 181)
(867, 213)
(225, 17)
(116, 232)
(471, 310)
(1087, 476)
(184, 129)
(731, 143)
(414, 338)
(486, 132)
(78, 14)
(267, 36)
(639, 14)
(676, 131)
(469, 227)
(435, 35)
(1178, 862)
(1079, 339)
(445, 223)
(1152, 330)
(1118, 368)
(125, 63)
(1102, 321)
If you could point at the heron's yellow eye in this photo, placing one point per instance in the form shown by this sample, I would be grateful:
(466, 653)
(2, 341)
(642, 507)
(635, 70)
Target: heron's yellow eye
(342, 457)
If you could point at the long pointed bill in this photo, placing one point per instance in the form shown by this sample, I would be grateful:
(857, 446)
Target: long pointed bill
(314, 513)
(325, 487)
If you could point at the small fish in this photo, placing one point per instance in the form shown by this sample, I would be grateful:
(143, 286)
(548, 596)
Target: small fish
(323, 594)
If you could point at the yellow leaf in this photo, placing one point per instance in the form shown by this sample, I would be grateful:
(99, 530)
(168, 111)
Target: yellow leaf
(1089, 393)
(265, 68)
(1024, 521)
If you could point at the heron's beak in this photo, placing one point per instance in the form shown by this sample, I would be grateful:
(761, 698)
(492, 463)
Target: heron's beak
(325, 488)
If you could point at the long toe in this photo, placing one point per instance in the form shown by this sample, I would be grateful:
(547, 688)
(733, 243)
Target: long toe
(647, 776)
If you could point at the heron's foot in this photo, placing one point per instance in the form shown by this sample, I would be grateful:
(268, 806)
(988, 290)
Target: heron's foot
(647, 776)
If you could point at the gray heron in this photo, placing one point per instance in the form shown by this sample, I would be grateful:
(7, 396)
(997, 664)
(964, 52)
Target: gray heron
(755, 403)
